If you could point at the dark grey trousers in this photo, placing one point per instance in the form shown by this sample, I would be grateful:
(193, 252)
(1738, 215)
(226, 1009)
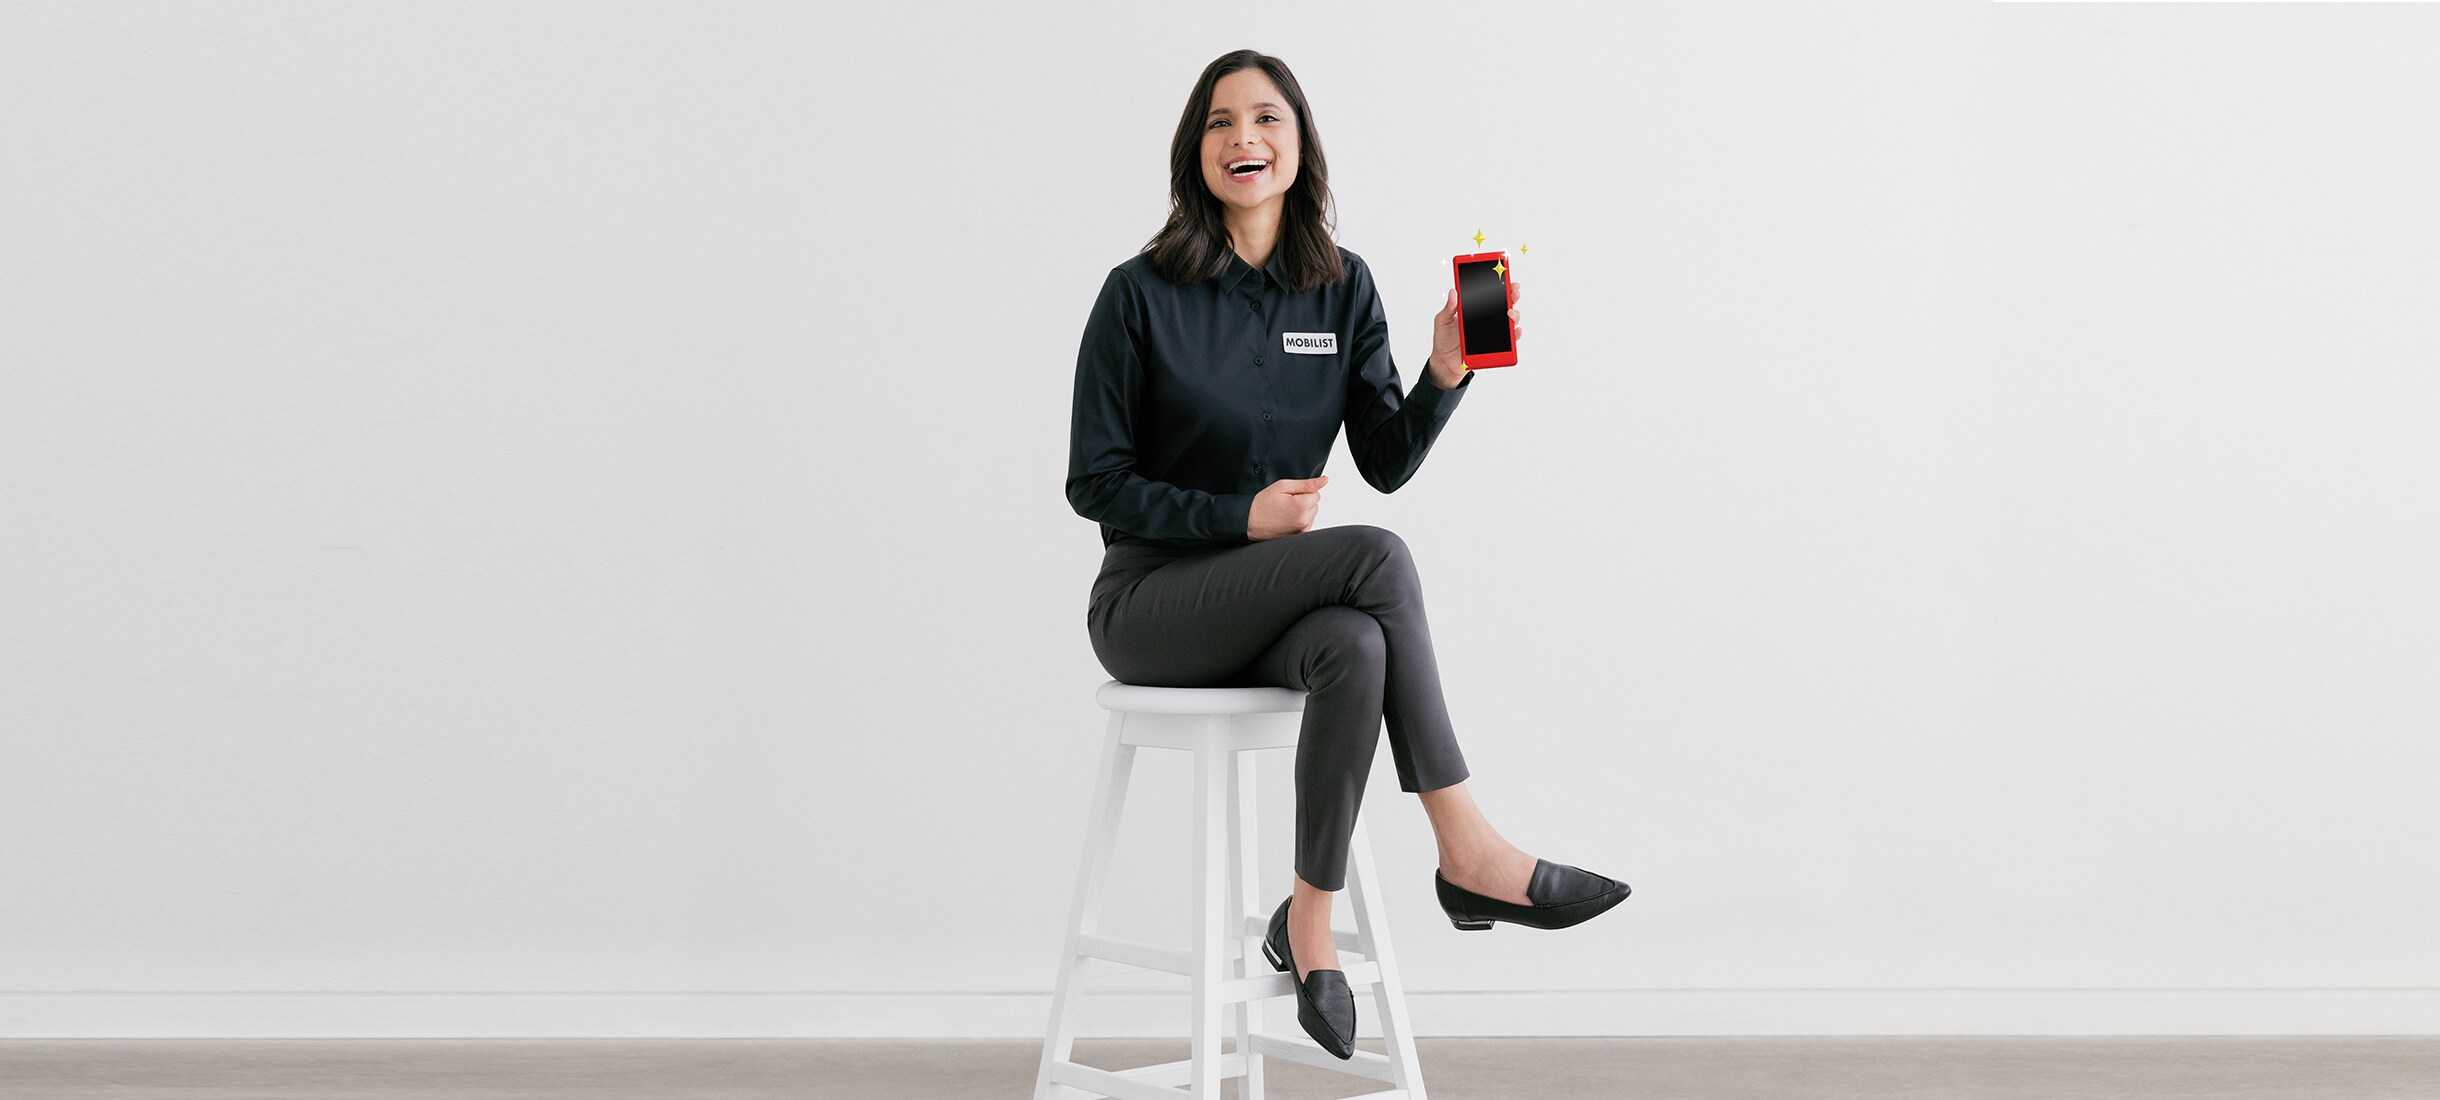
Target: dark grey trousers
(1336, 612)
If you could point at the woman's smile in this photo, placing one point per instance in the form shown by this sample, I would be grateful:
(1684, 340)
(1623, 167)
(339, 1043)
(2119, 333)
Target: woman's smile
(1247, 169)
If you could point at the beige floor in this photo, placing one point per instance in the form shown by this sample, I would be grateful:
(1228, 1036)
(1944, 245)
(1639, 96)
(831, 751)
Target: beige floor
(1455, 1069)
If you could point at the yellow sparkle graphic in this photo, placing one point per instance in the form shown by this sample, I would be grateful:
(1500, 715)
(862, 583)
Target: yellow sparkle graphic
(1522, 248)
(1502, 268)
(1478, 238)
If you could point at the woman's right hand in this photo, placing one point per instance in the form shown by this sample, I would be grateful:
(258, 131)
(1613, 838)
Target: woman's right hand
(1285, 507)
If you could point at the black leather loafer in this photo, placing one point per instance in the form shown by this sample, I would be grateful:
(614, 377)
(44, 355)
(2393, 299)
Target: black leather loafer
(1561, 896)
(1325, 1006)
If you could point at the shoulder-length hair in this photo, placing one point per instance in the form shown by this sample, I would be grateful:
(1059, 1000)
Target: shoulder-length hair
(1194, 244)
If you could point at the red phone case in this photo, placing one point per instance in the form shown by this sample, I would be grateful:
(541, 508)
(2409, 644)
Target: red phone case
(1506, 358)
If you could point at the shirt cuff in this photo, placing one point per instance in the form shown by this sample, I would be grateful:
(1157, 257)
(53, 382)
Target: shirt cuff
(1236, 511)
(1439, 402)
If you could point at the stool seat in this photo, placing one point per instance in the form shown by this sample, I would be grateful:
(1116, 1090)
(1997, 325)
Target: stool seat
(1141, 699)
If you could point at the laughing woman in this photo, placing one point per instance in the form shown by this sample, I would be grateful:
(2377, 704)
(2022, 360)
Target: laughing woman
(1216, 370)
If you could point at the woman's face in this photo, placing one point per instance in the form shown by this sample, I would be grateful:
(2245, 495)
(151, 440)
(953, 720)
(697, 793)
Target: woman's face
(1248, 124)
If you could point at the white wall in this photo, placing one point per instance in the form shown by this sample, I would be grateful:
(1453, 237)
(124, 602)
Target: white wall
(546, 519)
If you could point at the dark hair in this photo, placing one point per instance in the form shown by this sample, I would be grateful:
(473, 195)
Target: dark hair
(1194, 244)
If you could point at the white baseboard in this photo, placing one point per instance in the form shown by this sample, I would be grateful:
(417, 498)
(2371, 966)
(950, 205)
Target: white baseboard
(1125, 1012)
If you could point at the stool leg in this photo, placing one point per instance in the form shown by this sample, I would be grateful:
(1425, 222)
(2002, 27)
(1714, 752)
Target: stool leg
(1084, 910)
(1244, 902)
(1210, 898)
(1389, 993)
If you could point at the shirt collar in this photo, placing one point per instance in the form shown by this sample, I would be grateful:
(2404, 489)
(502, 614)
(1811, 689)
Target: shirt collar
(1239, 270)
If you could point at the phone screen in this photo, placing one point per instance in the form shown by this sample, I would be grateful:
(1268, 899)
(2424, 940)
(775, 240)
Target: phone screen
(1483, 299)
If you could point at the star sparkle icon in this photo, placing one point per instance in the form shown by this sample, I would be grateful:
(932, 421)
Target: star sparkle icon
(1478, 238)
(1502, 268)
(1522, 248)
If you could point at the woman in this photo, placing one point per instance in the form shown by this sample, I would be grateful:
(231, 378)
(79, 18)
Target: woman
(1216, 369)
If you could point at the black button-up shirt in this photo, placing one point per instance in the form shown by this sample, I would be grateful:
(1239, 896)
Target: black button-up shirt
(1191, 398)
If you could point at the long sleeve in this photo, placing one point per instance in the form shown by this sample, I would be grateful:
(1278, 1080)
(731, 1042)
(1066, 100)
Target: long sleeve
(1102, 484)
(1387, 435)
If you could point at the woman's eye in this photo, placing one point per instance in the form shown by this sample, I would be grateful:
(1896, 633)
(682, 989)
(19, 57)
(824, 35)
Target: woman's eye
(1217, 123)
(1273, 118)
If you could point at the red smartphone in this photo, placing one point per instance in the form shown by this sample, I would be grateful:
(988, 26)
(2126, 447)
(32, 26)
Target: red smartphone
(1486, 337)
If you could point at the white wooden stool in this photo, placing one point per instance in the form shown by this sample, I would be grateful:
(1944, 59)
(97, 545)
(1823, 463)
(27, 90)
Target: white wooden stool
(1220, 726)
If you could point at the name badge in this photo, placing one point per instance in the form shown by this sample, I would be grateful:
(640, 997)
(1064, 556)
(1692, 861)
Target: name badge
(1309, 343)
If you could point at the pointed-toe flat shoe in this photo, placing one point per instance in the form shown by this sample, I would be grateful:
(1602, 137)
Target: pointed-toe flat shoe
(1325, 1006)
(1561, 896)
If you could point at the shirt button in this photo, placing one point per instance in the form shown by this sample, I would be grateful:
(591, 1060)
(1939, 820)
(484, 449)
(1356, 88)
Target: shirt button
(1266, 414)
(1255, 307)
(1258, 359)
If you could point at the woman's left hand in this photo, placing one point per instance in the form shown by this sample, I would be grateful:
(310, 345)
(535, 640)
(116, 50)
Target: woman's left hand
(1447, 366)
